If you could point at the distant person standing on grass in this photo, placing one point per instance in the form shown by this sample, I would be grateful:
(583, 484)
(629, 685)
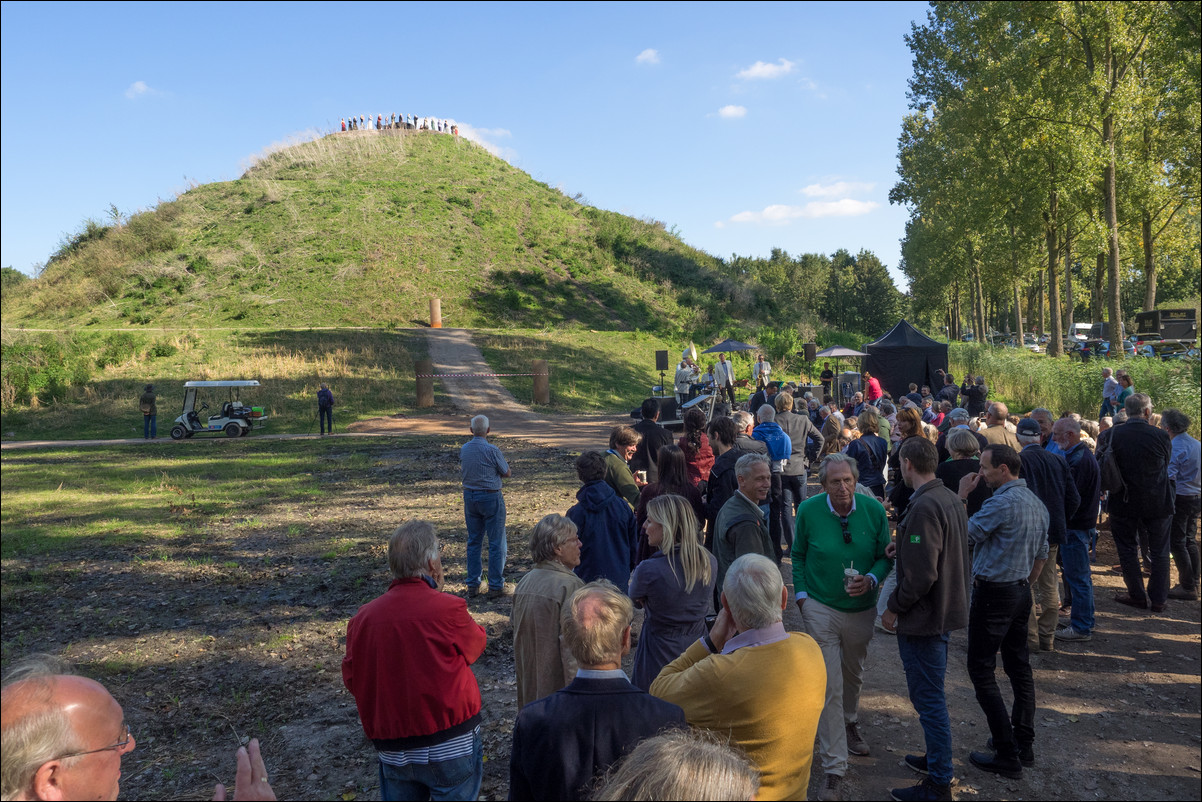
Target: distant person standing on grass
(482, 466)
(150, 413)
(325, 409)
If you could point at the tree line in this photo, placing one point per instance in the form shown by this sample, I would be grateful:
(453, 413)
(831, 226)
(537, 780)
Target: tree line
(1051, 163)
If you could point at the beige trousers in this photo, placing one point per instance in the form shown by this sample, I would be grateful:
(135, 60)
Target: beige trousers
(1045, 592)
(843, 638)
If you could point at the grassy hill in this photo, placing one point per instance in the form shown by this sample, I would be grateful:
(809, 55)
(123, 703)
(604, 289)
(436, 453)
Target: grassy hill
(363, 230)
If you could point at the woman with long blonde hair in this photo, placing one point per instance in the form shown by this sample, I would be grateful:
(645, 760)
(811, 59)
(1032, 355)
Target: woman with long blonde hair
(674, 586)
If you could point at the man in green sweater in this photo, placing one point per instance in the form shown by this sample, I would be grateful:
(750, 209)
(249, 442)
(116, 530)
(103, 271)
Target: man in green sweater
(838, 563)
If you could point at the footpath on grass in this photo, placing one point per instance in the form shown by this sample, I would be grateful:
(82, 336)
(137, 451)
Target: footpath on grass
(452, 352)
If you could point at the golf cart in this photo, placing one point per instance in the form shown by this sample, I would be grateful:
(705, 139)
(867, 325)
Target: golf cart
(235, 420)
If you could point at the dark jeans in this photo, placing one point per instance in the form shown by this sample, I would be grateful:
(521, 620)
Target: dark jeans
(729, 390)
(997, 620)
(458, 778)
(794, 489)
(1184, 541)
(150, 427)
(1074, 557)
(776, 528)
(1126, 541)
(925, 662)
(326, 414)
(484, 513)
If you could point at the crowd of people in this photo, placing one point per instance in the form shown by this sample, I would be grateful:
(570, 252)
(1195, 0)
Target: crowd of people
(937, 512)
(398, 122)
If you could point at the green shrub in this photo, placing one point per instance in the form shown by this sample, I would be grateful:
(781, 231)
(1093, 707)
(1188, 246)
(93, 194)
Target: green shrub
(118, 348)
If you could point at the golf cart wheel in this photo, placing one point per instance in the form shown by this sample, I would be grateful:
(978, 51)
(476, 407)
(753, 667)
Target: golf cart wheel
(233, 430)
(178, 432)
(246, 431)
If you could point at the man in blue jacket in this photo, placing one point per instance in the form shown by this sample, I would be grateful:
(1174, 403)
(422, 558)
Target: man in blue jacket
(780, 447)
(605, 525)
(1081, 528)
(562, 742)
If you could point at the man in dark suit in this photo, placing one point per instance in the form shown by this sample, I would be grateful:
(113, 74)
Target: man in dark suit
(654, 438)
(1047, 476)
(1142, 453)
(562, 742)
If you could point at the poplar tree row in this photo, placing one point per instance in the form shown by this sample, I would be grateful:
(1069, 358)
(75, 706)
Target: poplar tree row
(1051, 163)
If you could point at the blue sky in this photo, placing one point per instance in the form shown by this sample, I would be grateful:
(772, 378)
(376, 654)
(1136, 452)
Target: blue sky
(746, 126)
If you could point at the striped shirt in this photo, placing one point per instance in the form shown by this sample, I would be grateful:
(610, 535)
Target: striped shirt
(459, 746)
(1010, 532)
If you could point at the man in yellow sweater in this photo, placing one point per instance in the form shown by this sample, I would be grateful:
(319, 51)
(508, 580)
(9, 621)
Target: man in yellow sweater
(753, 681)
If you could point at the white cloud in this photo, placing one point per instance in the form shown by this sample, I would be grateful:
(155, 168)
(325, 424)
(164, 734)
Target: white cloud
(139, 89)
(484, 138)
(779, 214)
(648, 56)
(836, 190)
(732, 112)
(763, 70)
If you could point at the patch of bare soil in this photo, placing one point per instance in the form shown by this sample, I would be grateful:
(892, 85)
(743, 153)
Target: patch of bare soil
(239, 631)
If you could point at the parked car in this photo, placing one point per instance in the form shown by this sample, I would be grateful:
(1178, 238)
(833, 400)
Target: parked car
(1044, 339)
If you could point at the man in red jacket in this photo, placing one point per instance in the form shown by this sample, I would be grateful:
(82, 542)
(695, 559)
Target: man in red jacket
(408, 665)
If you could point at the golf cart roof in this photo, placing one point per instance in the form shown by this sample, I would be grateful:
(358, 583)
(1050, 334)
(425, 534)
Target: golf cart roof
(236, 383)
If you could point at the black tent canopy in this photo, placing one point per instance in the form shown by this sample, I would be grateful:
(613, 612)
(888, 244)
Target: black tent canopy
(905, 355)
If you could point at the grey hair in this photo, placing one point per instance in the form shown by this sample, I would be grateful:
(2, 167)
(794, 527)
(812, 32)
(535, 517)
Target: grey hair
(742, 420)
(833, 459)
(411, 547)
(687, 763)
(963, 441)
(1028, 439)
(766, 413)
(887, 408)
(1072, 424)
(550, 533)
(747, 462)
(752, 591)
(594, 635)
(40, 735)
(1042, 411)
(1119, 417)
(980, 380)
(1137, 403)
(480, 425)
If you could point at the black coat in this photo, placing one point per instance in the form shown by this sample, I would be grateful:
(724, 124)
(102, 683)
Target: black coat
(974, 398)
(1047, 475)
(563, 741)
(647, 451)
(1142, 452)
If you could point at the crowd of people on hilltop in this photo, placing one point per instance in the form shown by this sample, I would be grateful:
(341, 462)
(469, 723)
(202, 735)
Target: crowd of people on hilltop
(398, 122)
(938, 511)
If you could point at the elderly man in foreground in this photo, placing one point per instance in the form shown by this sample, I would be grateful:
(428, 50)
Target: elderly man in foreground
(64, 737)
(408, 665)
(838, 563)
(562, 742)
(752, 679)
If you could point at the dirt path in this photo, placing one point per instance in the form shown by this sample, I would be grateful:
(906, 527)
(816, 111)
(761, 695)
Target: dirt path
(453, 352)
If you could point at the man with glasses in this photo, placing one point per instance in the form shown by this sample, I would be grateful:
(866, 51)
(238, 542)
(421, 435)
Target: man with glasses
(64, 737)
(838, 563)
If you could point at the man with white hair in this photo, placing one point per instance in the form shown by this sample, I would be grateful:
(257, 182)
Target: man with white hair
(408, 664)
(839, 561)
(1110, 393)
(751, 679)
(482, 466)
(58, 730)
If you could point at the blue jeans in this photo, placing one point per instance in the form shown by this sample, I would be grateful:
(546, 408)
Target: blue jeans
(459, 778)
(150, 426)
(925, 660)
(484, 512)
(1074, 559)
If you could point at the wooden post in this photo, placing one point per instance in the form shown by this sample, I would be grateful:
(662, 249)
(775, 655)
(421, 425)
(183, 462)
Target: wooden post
(435, 313)
(542, 382)
(425, 385)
